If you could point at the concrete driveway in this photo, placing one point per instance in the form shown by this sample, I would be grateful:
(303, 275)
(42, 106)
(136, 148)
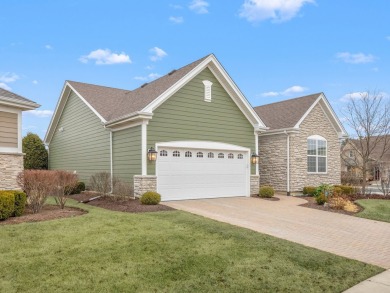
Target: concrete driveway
(352, 237)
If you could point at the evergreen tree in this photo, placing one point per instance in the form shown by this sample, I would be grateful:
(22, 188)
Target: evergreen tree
(36, 154)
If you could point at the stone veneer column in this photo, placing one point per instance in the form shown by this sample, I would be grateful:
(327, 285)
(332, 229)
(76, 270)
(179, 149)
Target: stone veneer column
(144, 183)
(255, 181)
(10, 166)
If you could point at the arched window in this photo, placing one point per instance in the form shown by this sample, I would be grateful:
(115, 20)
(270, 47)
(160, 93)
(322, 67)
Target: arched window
(176, 154)
(240, 156)
(316, 154)
(230, 156)
(163, 153)
(221, 156)
(210, 155)
(188, 154)
(199, 155)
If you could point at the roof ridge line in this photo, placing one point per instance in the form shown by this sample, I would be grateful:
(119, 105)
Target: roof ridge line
(296, 98)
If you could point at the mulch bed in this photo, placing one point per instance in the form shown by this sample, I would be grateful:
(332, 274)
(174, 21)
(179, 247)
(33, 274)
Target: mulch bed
(48, 212)
(311, 203)
(120, 204)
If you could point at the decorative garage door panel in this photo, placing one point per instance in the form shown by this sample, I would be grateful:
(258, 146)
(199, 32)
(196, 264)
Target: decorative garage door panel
(193, 173)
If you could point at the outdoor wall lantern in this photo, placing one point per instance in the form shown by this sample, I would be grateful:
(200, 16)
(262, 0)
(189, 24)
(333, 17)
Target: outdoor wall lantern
(255, 158)
(152, 154)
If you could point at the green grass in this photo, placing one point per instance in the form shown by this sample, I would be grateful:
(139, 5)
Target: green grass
(105, 251)
(375, 209)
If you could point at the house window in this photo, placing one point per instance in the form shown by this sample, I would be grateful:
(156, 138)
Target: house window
(351, 154)
(316, 154)
(221, 156)
(240, 156)
(163, 153)
(199, 155)
(207, 90)
(188, 154)
(230, 156)
(210, 155)
(176, 154)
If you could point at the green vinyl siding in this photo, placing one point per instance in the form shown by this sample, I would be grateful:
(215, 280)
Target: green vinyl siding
(186, 116)
(127, 153)
(83, 145)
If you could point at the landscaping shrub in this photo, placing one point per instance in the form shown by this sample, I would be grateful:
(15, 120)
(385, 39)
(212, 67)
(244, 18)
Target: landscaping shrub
(123, 189)
(326, 189)
(350, 207)
(321, 199)
(309, 190)
(36, 153)
(337, 202)
(38, 184)
(266, 191)
(77, 189)
(64, 183)
(337, 191)
(20, 203)
(150, 198)
(347, 190)
(101, 182)
(7, 204)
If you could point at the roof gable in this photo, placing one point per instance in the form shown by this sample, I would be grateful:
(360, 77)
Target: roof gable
(11, 99)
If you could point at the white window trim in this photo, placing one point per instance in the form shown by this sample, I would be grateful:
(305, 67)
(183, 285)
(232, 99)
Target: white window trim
(317, 138)
(207, 90)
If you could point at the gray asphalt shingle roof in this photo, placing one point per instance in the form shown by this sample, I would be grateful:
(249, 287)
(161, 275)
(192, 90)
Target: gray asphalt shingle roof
(10, 96)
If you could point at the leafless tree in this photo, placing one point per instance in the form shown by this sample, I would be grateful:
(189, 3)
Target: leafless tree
(369, 118)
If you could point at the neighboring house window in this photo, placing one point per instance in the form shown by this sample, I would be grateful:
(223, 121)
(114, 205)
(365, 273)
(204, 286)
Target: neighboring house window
(176, 153)
(188, 154)
(210, 155)
(316, 154)
(199, 155)
(163, 153)
(221, 156)
(240, 156)
(230, 156)
(207, 90)
(351, 154)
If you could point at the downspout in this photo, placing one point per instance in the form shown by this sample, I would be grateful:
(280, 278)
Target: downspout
(288, 163)
(111, 164)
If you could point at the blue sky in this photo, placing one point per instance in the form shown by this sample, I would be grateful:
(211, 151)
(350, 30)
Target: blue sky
(273, 49)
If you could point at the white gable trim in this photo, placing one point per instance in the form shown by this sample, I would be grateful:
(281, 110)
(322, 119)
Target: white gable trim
(237, 97)
(333, 119)
(65, 93)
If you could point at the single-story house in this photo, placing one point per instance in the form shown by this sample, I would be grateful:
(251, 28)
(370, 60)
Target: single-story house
(11, 155)
(189, 134)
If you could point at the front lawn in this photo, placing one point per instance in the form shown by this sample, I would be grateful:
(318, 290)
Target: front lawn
(375, 209)
(173, 251)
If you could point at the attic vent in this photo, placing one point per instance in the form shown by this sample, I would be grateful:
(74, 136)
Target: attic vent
(172, 72)
(144, 85)
(207, 90)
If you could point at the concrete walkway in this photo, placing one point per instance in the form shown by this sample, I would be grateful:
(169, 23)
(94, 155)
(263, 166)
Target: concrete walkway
(361, 239)
(378, 284)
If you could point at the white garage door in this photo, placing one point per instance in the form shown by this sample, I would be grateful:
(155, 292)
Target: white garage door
(189, 171)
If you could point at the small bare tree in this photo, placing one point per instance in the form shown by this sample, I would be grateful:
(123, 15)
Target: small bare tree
(369, 118)
(64, 182)
(101, 182)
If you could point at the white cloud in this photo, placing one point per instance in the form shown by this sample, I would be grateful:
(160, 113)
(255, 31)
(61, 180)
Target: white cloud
(199, 6)
(277, 10)
(142, 78)
(289, 91)
(41, 113)
(360, 95)
(176, 19)
(35, 81)
(149, 77)
(154, 76)
(105, 57)
(9, 77)
(388, 38)
(176, 6)
(357, 58)
(157, 54)
(5, 86)
(49, 47)
(149, 67)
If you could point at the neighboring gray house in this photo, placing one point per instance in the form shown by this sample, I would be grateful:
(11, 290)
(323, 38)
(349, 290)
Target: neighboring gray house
(202, 127)
(11, 156)
(302, 146)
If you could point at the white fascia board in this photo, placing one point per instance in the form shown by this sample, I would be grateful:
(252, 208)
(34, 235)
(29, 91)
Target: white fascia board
(334, 117)
(207, 145)
(129, 117)
(135, 119)
(280, 131)
(16, 104)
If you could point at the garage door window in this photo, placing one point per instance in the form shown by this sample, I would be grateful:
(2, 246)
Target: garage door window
(221, 156)
(199, 155)
(188, 154)
(163, 153)
(230, 156)
(240, 156)
(210, 155)
(176, 153)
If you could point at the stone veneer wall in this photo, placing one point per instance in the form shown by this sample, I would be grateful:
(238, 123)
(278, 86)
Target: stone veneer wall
(316, 123)
(273, 161)
(10, 166)
(255, 184)
(144, 183)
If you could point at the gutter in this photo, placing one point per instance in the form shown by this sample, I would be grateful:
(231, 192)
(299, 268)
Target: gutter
(288, 162)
